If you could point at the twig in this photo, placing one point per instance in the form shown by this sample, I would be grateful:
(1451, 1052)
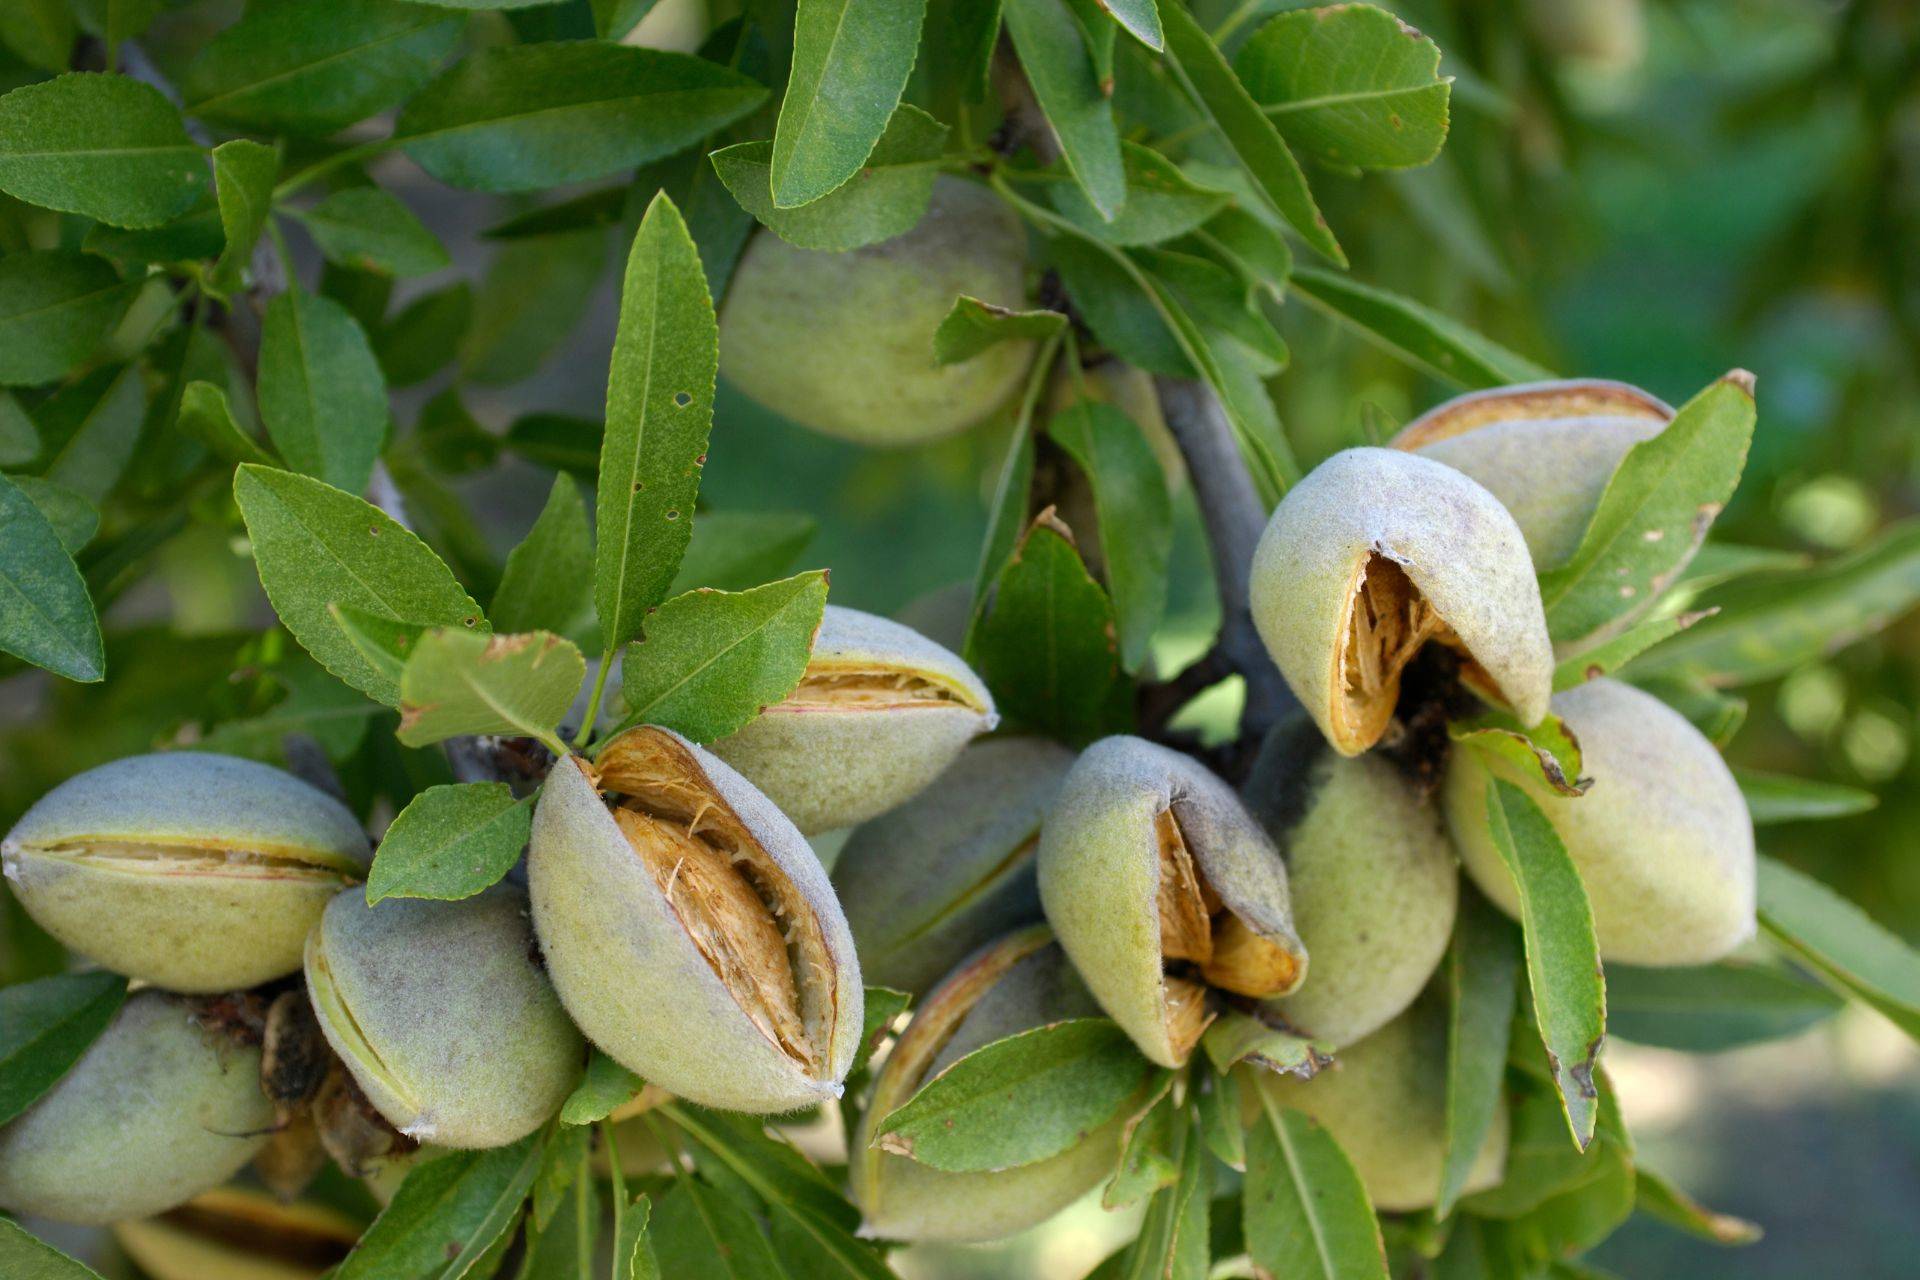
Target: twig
(1023, 122)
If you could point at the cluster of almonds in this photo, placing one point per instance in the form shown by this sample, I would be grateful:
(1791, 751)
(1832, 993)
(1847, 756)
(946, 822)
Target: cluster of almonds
(672, 912)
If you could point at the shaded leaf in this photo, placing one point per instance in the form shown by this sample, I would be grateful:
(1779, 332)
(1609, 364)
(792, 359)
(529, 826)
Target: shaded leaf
(562, 1247)
(1236, 1037)
(45, 1027)
(46, 615)
(425, 336)
(74, 519)
(1841, 943)
(104, 146)
(24, 1257)
(1162, 203)
(55, 307)
(1173, 1240)
(533, 295)
(92, 427)
(972, 326)
(606, 1087)
(243, 177)
(702, 1232)
(851, 59)
(1482, 975)
(1659, 1198)
(1415, 332)
(449, 1210)
(547, 584)
(1708, 1008)
(369, 228)
(1774, 798)
(451, 842)
(205, 416)
(1609, 656)
(1150, 1158)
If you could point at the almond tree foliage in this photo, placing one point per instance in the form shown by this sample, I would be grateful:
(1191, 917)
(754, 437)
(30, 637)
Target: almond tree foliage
(178, 382)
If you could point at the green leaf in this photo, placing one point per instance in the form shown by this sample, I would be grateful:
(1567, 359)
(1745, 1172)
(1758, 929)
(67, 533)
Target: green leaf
(1047, 644)
(23, 1257)
(243, 177)
(1053, 53)
(107, 147)
(1162, 203)
(606, 207)
(521, 117)
(557, 441)
(1548, 751)
(710, 661)
(1712, 1007)
(704, 1231)
(614, 18)
(1306, 1212)
(1721, 562)
(633, 1256)
(1482, 976)
(1149, 1160)
(19, 438)
(533, 295)
(1173, 1240)
(1717, 715)
(1252, 246)
(425, 336)
(1135, 516)
(606, 1087)
(44, 1028)
(384, 642)
(1655, 511)
(851, 59)
(447, 1213)
(1563, 960)
(369, 228)
(1254, 140)
(74, 519)
(884, 198)
(1019, 1100)
(41, 32)
(46, 616)
(1351, 86)
(288, 66)
(55, 307)
(1006, 520)
(666, 356)
(1235, 1037)
(459, 683)
(315, 546)
(205, 416)
(1609, 656)
(735, 550)
(322, 398)
(1140, 18)
(1657, 1197)
(562, 1247)
(1766, 629)
(93, 427)
(972, 326)
(1841, 943)
(451, 842)
(547, 578)
(1416, 333)
(1774, 798)
(314, 706)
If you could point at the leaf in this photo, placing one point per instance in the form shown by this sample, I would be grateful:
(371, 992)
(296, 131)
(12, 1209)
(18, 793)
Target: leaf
(1006, 521)
(1162, 203)
(666, 355)
(74, 519)
(1352, 86)
(369, 228)
(1609, 656)
(288, 66)
(451, 842)
(1712, 1007)
(606, 207)
(1149, 1160)
(1482, 975)
(1253, 246)
(40, 31)
(534, 294)
(322, 398)
(972, 326)
(1173, 1240)
(104, 146)
(1047, 644)
(521, 117)
(1841, 943)
(204, 415)
(557, 441)
(1655, 511)
(449, 1210)
(1658, 1197)
(1018, 1100)
(1235, 1037)
(384, 642)
(606, 1087)
(1252, 137)
(459, 683)
(55, 307)
(1416, 333)
(315, 706)
(1774, 798)
(23, 1257)
(713, 660)
(740, 1150)
(1548, 752)
(735, 550)
(45, 1026)
(562, 1248)
(1717, 563)
(19, 438)
(46, 616)
(633, 1256)
(851, 59)
(93, 427)
(1767, 629)
(545, 584)
(315, 546)
(1306, 1212)
(702, 1232)
(884, 198)
(1141, 18)
(1053, 53)
(425, 336)
(243, 177)
(1563, 960)
(1135, 516)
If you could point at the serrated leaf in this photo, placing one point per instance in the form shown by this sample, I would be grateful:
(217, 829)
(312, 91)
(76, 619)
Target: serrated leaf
(369, 228)
(557, 441)
(884, 198)
(55, 307)
(322, 396)
(533, 296)
(740, 1150)
(735, 550)
(633, 1255)
(74, 519)
(316, 546)
(547, 584)
(46, 616)
(451, 842)
(1149, 1159)
(205, 415)
(1306, 1212)
(1173, 1240)
(1162, 203)
(104, 146)
(521, 117)
(25, 1257)
(972, 326)
(1066, 84)
(458, 683)
(243, 177)
(45, 1026)
(1841, 943)
(1609, 656)
(851, 59)
(1708, 1008)
(604, 1089)
(1563, 959)
(448, 1212)
(1482, 974)
(1415, 332)
(700, 1230)
(1019, 1100)
(666, 356)
(710, 661)
(1547, 752)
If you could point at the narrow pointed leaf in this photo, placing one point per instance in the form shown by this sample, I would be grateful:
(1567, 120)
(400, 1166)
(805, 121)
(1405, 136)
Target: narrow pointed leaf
(885, 198)
(1841, 943)
(972, 326)
(1774, 798)
(1053, 53)
(205, 415)
(1306, 1212)
(25, 1257)
(606, 1087)
(55, 307)
(322, 396)
(370, 229)
(46, 616)
(243, 177)
(1482, 974)
(548, 581)
(1708, 1008)
(702, 1232)
(1415, 332)
(44, 1028)
(449, 1210)
(851, 59)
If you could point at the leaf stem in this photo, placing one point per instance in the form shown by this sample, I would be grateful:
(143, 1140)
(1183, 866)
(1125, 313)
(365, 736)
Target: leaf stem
(339, 159)
(592, 717)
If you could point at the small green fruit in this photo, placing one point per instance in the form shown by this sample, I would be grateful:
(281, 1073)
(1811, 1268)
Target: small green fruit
(1020, 982)
(235, 1233)
(443, 1016)
(165, 1104)
(880, 712)
(1372, 555)
(1662, 839)
(690, 930)
(192, 871)
(1373, 880)
(925, 885)
(843, 342)
(1160, 885)
(1384, 1101)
